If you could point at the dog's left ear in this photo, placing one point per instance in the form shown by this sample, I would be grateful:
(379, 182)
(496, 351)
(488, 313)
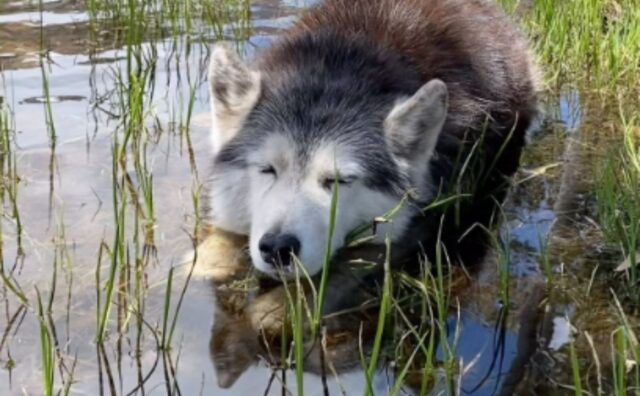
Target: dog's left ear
(234, 91)
(413, 126)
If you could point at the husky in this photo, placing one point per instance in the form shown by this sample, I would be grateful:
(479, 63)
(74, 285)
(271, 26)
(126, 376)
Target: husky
(391, 106)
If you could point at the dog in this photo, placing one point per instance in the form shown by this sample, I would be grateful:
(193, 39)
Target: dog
(418, 108)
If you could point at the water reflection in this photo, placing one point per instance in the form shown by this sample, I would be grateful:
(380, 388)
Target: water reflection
(250, 316)
(492, 342)
(491, 339)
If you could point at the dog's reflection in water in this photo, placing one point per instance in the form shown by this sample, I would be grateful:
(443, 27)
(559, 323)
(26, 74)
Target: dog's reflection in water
(249, 318)
(249, 313)
(234, 347)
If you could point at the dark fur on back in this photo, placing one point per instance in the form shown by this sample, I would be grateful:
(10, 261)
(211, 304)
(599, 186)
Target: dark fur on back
(346, 59)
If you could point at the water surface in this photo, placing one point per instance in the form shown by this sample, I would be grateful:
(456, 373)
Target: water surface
(59, 226)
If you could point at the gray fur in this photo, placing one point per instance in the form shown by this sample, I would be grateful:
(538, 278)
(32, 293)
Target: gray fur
(393, 94)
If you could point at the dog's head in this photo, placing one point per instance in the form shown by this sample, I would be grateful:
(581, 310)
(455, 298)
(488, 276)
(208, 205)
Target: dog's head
(284, 144)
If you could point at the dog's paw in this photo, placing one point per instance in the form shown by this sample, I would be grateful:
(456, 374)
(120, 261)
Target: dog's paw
(220, 257)
(267, 311)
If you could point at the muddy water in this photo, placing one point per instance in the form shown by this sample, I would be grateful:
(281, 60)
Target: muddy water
(66, 213)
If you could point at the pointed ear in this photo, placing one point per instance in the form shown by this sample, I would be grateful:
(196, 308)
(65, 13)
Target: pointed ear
(234, 90)
(413, 126)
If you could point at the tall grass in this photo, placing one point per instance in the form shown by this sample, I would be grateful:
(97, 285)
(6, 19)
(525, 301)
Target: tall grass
(394, 331)
(618, 198)
(382, 326)
(594, 43)
(575, 369)
(141, 28)
(47, 350)
(172, 19)
(625, 350)
(9, 191)
(324, 278)
(296, 311)
(51, 128)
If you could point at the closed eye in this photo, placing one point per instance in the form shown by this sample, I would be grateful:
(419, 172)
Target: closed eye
(330, 181)
(268, 170)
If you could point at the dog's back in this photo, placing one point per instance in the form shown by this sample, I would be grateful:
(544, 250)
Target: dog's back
(469, 44)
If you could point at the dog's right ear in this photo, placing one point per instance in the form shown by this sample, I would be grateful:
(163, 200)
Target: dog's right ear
(234, 90)
(413, 127)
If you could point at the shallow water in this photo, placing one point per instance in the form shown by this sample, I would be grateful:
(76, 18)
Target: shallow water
(66, 211)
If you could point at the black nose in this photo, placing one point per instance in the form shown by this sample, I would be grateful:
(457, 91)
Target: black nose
(277, 249)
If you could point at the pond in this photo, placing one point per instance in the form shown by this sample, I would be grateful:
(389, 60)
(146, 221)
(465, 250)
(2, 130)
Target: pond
(101, 179)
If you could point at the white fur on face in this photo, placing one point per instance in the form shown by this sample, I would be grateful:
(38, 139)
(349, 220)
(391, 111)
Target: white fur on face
(296, 202)
(228, 200)
(248, 201)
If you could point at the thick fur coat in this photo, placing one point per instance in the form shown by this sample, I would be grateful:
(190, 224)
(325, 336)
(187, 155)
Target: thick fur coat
(356, 73)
